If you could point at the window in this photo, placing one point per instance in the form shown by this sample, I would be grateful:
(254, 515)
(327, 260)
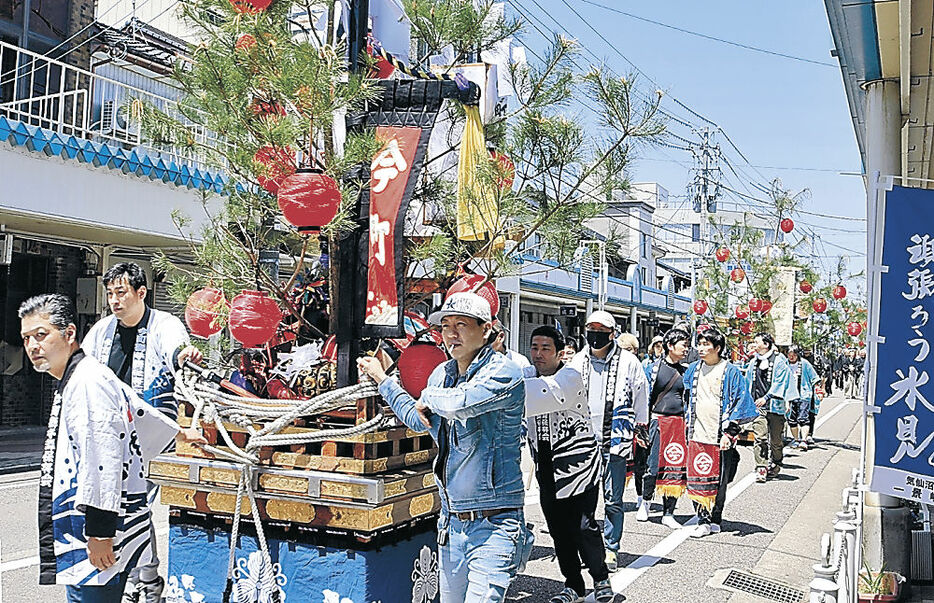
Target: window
(645, 275)
(695, 232)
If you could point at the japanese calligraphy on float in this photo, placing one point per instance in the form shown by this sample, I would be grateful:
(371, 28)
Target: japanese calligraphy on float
(901, 394)
(310, 489)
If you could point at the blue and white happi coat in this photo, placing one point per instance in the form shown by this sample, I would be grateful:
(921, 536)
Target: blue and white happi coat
(157, 343)
(95, 457)
(625, 395)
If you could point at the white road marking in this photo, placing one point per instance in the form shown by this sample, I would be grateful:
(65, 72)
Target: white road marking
(626, 576)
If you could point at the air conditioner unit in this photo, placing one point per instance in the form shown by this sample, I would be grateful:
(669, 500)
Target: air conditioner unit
(113, 117)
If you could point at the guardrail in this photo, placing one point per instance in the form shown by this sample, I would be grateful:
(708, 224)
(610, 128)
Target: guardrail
(43, 92)
(835, 578)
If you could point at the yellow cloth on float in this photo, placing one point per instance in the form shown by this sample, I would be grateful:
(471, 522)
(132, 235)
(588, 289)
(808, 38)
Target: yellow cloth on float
(477, 211)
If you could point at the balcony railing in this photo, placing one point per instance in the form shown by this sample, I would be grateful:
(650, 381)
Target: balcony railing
(46, 93)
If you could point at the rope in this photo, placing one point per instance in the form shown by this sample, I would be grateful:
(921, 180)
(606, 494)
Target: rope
(415, 72)
(214, 406)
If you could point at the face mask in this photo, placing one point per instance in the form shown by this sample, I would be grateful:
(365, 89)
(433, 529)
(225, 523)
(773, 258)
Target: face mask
(598, 340)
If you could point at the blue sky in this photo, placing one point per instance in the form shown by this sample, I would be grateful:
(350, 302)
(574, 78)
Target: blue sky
(781, 113)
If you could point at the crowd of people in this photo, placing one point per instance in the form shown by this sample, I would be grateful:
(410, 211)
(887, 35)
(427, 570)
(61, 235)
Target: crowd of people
(591, 413)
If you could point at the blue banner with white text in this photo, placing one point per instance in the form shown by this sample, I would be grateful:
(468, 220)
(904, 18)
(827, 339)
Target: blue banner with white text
(904, 394)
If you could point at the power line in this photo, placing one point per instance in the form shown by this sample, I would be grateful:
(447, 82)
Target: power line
(713, 38)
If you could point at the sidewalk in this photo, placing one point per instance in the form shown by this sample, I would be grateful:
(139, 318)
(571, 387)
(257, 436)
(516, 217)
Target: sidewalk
(21, 448)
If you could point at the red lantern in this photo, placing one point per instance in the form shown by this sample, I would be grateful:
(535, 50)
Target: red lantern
(787, 225)
(254, 318)
(862, 343)
(854, 329)
(820, 305)
(250, 7)
(700, 307)
(702, 327)
(309, 199)
(746, 328)
(201, 312)
(279, 163)
(805, 287)
(470, 283)
(723, 254)
(742, 312)
(245, 42)
(755, 304)
(766, 306)
(737, 275)
(839, 292)
(415, 365)
(505, 170)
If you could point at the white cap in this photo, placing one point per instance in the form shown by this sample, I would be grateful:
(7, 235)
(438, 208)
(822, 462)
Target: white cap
(601, 317)
(462, 304)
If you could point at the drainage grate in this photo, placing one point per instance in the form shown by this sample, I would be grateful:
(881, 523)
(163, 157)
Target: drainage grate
(757, 586)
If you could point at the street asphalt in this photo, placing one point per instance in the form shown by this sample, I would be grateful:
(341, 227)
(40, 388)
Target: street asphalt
(772, 530)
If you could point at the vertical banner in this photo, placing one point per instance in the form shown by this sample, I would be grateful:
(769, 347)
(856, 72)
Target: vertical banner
(389, 175)
(783, 305)
(902, 398)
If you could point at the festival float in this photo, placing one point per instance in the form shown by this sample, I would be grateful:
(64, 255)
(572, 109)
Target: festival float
(310, 489)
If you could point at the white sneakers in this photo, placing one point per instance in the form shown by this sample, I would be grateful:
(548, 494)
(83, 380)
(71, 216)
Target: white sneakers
(642, 510)
(669, 521)
(705, 529)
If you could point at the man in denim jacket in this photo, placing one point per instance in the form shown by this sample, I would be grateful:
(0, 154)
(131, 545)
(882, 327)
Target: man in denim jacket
(473, 407)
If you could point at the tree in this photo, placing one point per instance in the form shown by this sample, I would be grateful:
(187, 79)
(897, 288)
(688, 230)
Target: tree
(269, 93)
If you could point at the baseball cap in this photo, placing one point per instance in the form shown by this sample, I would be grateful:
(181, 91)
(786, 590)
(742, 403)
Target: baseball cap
(657, 339)
(462, 304)
(601, 317)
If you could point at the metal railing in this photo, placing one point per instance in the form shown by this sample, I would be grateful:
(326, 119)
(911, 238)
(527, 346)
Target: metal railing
(39, 91)
(835, 578)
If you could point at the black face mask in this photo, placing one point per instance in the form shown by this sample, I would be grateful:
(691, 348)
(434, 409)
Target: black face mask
(597, 340)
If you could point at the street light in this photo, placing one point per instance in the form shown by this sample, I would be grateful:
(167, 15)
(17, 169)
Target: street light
(585, 247)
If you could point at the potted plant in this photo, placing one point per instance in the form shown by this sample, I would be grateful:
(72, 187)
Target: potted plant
(880, 585)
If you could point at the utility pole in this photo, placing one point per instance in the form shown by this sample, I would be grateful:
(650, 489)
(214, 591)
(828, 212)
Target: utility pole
(704, 192)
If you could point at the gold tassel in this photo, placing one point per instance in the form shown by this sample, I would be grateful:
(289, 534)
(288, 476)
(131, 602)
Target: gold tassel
(670, 490)
(704, 501)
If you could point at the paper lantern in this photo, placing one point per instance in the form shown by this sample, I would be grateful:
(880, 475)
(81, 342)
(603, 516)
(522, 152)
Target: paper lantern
(702, 327)
(755, 304)
(202, 311)
(820, 305)
(787, 225)
(742, 312)
(250, 7)
(700, 307)
(263, 108)
(245, 42)
(737, 275)
(254, 318)
(746, 328)
(505, 170)
(470, 283)
(766, 306)
(862, 343)
(854, 329)
(279, 163)
(723, 254)
(805, 287)
(839, 292)
(416, 363)
(309, 199)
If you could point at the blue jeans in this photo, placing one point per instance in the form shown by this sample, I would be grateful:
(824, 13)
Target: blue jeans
(112, 592)
(614, 484)
(482, 557)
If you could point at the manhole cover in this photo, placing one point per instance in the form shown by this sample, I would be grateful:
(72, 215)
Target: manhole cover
(757, 586)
